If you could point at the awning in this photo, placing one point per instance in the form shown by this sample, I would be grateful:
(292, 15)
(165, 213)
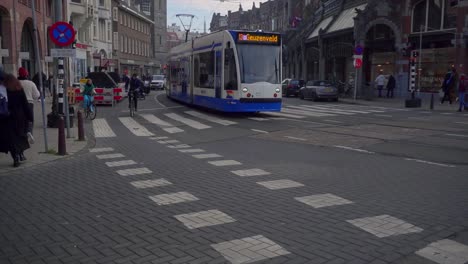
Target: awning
(346, 19)
(322, 25)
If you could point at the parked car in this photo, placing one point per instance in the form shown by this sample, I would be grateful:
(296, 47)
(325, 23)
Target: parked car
(291, 87)
(317, 90)
(158, 82)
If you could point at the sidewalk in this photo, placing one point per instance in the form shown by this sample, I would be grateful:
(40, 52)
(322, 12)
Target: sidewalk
(399, 102)
(36, 154)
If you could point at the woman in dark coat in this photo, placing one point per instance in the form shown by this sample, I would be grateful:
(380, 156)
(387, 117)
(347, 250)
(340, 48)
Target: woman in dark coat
(13, 137)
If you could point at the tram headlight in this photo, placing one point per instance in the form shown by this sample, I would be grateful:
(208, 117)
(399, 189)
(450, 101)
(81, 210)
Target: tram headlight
(245, 90)
(277, 90)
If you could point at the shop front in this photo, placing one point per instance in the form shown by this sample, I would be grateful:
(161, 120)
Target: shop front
(435, 63)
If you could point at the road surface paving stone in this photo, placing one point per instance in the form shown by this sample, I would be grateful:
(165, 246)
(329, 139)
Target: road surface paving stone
(90, 206)
(204, 218)
(445, 251)
(280, 184)
(323, 200)
(150, 183)
(384, 225)
(249, 249)
(172, 198)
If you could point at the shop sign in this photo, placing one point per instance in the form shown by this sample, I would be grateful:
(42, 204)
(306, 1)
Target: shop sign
(56, 53)
(81, 46)
(4, 53)
(24, 55)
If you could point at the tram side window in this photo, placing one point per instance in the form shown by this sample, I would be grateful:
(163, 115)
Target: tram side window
(230, 72)
(196, 71)
(206, 70)
(174, 74)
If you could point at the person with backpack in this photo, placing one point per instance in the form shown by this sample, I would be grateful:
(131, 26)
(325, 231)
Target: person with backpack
(15, 122)
(32, 94)
(462, 86)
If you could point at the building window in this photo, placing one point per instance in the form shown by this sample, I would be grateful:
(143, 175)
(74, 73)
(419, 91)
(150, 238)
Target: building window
(432, 15)
(160, 40)
(95, 28)
(101, 3)
(120, 19)
(115, 13)
(109, 30)
(121, 43)
(116, 41)
(49, 8)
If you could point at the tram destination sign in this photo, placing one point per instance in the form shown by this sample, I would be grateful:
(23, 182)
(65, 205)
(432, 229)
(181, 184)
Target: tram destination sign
(258, 38)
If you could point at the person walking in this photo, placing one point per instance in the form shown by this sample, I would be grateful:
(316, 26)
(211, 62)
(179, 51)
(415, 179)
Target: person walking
(390, 86)
(445, 87)
(462, 86)
(380, 80)
(13, 137)
(32, 94)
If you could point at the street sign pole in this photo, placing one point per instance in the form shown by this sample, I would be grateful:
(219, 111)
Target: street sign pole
(39, 69)
(63, 34)
(355, 84)
(358, 50)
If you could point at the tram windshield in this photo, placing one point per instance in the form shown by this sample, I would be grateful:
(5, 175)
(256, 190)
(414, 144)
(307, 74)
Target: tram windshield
(259, 63)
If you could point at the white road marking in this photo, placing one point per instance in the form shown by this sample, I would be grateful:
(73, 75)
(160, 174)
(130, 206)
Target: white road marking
(206, 156)
(259, 131)
(447, 113)
(322, 110)
(354, 149)
(251, 172)
(158, 138)
(419, 118)
(162, 124)
(463, 123)
(425, 112)
(280, 184)
(333, 121)
(150, 183)
(152, 109)
(96, 150)
(457, 135)
(191, 150)
(120, 163)
(173, 198)
(445, 251)
(188, 122)
(337, 110)
(180, 146)
(306, 113)
(224, 163)
(383, 115)
(258, 118)
(110, 156)
(431, 163)
(211, 118)
(172, 141)
(296, 138)
(284, 115)
(102, 129)
(131, 172)
(135, 127)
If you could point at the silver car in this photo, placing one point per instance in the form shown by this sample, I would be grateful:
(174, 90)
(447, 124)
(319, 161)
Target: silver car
(317, 90)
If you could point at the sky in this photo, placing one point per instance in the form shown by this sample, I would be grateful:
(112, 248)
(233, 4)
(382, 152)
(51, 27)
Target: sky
(203, 9)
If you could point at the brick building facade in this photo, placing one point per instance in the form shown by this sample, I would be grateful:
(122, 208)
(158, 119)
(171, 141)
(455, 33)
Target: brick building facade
(16, 34)
(132, 31)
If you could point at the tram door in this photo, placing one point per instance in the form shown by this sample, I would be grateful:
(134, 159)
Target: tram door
(218, 67)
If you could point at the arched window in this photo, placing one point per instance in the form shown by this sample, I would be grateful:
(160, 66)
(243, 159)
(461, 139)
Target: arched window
(431, 15)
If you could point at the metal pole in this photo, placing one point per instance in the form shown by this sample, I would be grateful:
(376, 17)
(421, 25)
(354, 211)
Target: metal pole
(39, 68)
(419, 58)
(355, 84)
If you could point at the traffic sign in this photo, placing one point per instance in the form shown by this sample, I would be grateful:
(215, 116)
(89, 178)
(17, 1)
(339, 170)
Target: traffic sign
(358, 50)
(62, 34)
(57, 53)
(357, 63)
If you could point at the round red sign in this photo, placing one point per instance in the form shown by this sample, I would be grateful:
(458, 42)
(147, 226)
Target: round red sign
(62, 34)
(357, 63)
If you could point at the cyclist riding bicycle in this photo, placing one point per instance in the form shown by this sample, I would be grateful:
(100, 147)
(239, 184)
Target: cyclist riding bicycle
(88, 95)
(136, 87)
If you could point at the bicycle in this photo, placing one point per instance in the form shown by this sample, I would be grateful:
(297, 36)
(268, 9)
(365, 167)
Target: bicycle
(88, 113)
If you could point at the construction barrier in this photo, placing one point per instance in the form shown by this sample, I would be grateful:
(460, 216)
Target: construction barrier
(104, 96)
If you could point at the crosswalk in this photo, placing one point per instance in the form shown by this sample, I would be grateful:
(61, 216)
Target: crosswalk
(183, 121)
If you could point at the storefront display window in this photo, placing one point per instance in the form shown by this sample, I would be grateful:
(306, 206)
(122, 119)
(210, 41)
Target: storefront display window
(434, 65)
(433, 15)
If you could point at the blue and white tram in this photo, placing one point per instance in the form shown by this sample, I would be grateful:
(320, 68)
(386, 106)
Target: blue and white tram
(230, 71)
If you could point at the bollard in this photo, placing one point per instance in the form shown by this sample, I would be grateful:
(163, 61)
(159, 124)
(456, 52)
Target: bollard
(81, 135)
(432, 101)
(62, 148)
